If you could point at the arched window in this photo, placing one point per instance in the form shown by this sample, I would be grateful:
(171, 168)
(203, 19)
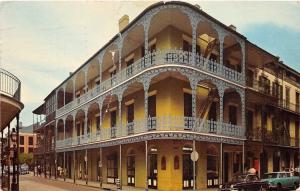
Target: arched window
(163, 163)
(176, 162)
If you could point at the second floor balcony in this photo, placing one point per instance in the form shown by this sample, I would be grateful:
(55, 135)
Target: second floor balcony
(272, 138)
(156, 125)
(275, 93)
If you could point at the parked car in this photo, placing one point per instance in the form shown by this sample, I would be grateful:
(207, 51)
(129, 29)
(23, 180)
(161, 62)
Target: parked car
(245, 182)
(281, 180)
(24, 169)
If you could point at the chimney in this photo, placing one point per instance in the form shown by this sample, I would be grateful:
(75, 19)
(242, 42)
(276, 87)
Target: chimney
(232, 27)
(123, 22)
(198, 6)
(70, 73)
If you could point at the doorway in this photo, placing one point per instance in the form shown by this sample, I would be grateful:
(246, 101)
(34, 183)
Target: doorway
(131, 169)
(152, 166)
(187, 168)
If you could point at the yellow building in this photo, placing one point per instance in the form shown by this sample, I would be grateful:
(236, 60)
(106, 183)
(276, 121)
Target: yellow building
(161, 89)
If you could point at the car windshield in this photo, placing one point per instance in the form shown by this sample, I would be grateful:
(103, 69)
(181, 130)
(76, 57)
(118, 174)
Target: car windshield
(270, 175)
(238, 178)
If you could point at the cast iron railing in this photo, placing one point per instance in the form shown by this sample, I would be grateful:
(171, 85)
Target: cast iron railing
(9, 84)
(157, 124)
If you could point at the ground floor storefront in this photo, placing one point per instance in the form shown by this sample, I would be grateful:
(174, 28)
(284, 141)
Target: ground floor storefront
(270, 158)
(168, 165)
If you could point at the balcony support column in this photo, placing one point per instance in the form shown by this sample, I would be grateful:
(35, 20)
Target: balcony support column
(74, 129)
(100, 118)
(100, 59)
(243, 61)
(85, 123)
(100, 167)
(221, 95)
(86, 167)
(55, 154)
(120, 46)
(243, 159)
(65, 124)
(194, 23)
(221, 50)
(85, 82)
(146, 164)
(64, 100)
(74, 166)
(221, 163)
(243, 113)
(120, 164)
(146, 24)
(74, 89)
(2, 160)
(120, 113)
(146, 84)
(64, 169)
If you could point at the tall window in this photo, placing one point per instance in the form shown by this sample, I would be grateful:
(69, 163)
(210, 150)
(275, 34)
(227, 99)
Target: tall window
(78, 129)
(30, 140)
(21, 140)
(152, 106)
(277, 90)
(130, 113)
(129, 69)
(264, 84)
(233, 114)
(152, 49)
(152, 112)
(113, 118)
(21, 149)
(187, 105)
(188, 122)
(297, 101)
(98, 122)
(130, 119)
(212, 114)
(249, 122)
(113, 77)
(287, 96)
(250, 76)
(30, 150)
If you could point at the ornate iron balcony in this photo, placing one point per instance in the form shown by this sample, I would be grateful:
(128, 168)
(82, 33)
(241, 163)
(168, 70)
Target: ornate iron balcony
(155, 59)
(157, 124)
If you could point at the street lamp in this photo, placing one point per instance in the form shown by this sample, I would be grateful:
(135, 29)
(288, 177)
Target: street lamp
(13, 154)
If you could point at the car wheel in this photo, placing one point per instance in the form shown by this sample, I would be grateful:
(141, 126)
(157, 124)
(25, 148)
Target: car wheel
(279, 187)
(295, 185)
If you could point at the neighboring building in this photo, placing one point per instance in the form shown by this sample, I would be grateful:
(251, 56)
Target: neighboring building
(10, 108)
(162, 88)
(27, 139)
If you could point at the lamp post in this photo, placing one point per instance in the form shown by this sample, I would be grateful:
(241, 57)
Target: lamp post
(14, 155)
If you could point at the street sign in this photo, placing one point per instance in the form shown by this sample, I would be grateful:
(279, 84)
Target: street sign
(194, 156)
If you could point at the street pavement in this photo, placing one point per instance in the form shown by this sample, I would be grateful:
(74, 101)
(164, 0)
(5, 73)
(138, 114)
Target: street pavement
(33, 183)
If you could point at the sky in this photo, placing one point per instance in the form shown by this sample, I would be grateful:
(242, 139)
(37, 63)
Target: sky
(41, 42)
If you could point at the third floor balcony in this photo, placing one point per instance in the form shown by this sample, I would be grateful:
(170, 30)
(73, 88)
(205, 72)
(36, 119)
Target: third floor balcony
(157, 59)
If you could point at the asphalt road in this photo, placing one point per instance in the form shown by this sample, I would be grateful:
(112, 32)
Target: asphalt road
(33, 183)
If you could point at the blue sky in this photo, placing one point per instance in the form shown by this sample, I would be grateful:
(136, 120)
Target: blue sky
(41, 42)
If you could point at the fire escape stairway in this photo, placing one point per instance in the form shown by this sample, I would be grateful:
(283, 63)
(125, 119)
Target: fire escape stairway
(210, 47)
(204, 110)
